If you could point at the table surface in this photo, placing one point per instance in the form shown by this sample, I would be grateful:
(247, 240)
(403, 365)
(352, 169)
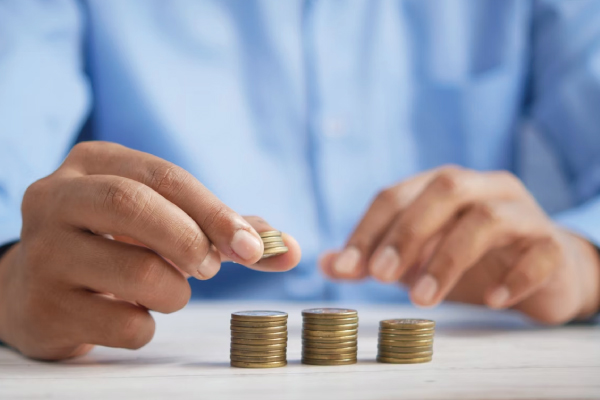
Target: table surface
(478, 354)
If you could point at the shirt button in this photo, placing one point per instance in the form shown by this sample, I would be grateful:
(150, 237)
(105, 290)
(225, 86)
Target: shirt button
(333, 127)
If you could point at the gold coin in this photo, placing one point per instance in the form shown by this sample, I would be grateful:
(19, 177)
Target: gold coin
(312, 361)
(316, 356)
(336, 321)
(405, 337)
(259, 342)
(407, 323)
(422, 354)
(326, 334)
(317, 328)
(329, 313)
(259, 316)
(334, 339)
(407, 331)
(390, 360)
(330, 345)
(243, 364)
(407, 350)
(268, 329)
(245, 335)
(317, 350)
(257, 353)
(271, 239)
(259, 348)
(405, 343)
(261, 359)
(276, 250)
(269, 234)
(257, 324)
(269, 246)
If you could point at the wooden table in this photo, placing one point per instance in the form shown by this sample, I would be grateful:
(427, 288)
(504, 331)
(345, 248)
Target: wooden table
(478, 354)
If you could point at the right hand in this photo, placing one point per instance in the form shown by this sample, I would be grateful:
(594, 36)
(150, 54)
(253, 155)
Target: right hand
(67, 285)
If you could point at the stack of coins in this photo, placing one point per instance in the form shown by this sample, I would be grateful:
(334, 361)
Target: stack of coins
(273, 243)
(329, 336)
(405, 341)
(258, 339)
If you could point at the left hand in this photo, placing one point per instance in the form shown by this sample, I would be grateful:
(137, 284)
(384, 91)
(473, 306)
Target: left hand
(476, 237)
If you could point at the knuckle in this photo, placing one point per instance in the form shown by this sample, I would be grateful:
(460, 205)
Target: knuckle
(192, 245)
(485, 213)
(137, 330)
(408, 232)
(449, 263)
(35, 195)
(168, 179)
(448, 182)
(124, 198)
(388, 197)
(217, 219)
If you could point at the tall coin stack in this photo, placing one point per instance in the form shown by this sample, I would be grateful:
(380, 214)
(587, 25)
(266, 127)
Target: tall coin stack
(405, 341)
(329, 336)
(273, 244)
(258, 339)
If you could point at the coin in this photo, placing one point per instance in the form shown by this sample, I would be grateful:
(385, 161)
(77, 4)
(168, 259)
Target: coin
(271, 239)
(405, 337)
(276, 250)
(327, 334)
(273, 245)
(269, 329)
(259, 315)
(407, 332)
(390, 360)
(405, 343)
(334, 339)
(393, 349)
(312, 361)
(335, 321)
(319, 350)
(247, 353)
(422, 354)
(312, 327)
(318, 356)
(245, 335)
(329, 313)
(243, 364)
(256, 348)
(328, 345)
(407, 323)
(257, 324)
(280, 357)
(269, 234)
(258, 341)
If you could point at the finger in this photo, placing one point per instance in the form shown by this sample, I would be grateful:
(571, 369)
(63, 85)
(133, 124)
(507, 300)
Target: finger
(531, 272)
(446, 195)
(351, 263)
(105, 321)
(120, 206)
(129, 272)
(227, 230)
(482, 228)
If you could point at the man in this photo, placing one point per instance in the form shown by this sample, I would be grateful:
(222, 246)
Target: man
(301, 112)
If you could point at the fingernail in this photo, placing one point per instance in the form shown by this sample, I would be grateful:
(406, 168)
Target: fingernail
(386, 263)
(425, 289)
(210, 266)
(499, 297)
(245, 245)
(347, 260)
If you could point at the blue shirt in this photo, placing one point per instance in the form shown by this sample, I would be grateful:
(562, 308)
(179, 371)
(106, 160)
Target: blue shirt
(301, 111)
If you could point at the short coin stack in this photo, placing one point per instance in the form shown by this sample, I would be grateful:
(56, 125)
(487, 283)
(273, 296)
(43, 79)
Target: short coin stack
(329, 336)
(258, 339)
(405, 341)
(273, 243)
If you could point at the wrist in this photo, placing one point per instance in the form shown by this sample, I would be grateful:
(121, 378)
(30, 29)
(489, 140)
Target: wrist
(588, 264)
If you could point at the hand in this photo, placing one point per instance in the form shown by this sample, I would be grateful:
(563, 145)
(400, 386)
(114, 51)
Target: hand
(67, 286)
(476, 237)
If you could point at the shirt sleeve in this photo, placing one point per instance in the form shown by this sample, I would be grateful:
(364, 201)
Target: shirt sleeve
(566, 101)
(44, 96)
